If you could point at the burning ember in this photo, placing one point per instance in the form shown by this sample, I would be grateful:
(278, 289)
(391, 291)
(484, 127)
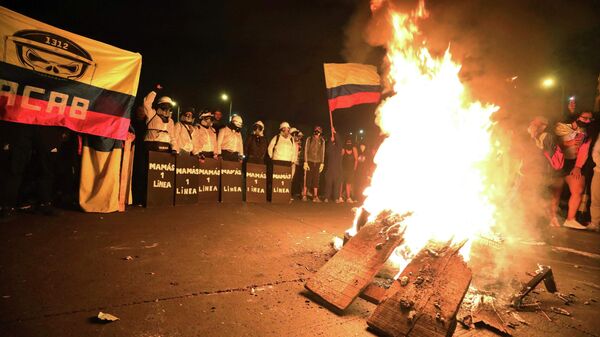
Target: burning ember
(438, 154)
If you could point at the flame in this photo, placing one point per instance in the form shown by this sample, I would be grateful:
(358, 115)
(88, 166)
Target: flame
(436, 159)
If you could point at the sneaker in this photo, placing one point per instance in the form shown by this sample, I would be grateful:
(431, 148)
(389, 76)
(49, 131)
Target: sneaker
(304, 198)
(325, 200)
(339, 200)
(573, 224)
(316, 199)
(594, 227)
(350, 201)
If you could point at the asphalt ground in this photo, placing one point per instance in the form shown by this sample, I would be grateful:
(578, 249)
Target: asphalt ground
(237, 270)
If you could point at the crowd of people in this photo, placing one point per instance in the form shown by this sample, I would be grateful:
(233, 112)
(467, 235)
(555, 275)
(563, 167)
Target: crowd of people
(570, 149)
(339, 166)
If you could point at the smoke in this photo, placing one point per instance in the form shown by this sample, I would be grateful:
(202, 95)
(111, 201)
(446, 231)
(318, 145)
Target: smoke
(505, 48)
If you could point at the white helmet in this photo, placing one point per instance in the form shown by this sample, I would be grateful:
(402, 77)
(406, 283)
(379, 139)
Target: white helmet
(237, 121)
(260, 123)
(292, 130)
(284, 125)
(167, 100)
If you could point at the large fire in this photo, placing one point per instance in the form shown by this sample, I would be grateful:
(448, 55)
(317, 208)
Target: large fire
(436, 158)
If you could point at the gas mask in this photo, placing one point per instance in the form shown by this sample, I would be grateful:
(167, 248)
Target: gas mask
(257, 130)
(187, 118)
(164, 111)
(582, 124)
(206, 122)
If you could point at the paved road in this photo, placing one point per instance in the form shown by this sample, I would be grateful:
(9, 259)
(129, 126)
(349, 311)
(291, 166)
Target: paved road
(229, 270)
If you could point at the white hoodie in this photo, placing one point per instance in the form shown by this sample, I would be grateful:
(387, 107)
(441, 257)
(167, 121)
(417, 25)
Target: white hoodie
(281, 148)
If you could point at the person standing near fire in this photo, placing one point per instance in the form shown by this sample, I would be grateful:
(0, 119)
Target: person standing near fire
(255, 146)
(349, 164)
(206, 141)
(314, 159)
(160, 125)
(333, 168)
(230, 145)
(282, 148)
(186, 135)
(575, 144)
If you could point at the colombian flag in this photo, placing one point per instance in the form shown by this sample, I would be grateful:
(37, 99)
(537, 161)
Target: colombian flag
(49, 76)
(350, 84)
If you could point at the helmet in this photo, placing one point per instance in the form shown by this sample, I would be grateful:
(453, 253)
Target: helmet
(293, 130)
(206, 114)
(167, 100)
(284, 125)
(237, 121)
(318, 128)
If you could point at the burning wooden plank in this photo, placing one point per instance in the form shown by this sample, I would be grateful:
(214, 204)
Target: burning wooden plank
(426, 297)
(351, 269)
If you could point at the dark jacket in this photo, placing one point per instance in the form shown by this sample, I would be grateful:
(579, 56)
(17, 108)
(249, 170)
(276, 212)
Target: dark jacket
(255, 148)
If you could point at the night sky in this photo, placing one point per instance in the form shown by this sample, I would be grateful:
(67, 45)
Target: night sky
(268, 55)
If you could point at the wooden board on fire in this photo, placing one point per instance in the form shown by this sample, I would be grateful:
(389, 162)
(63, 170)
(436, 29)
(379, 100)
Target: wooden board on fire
(424, 300)
(352, 269)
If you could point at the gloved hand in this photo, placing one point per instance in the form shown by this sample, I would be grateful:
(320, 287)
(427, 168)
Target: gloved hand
(321, 167)
(306, 167)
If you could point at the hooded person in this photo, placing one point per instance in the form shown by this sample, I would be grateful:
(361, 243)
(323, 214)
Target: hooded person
(333, 168)
(282, 148)
(206, 140)
(314, 159)
(158, 121)
(186, 135)
(229, 142)
(255, 146)
(298, 178)
(349, 165)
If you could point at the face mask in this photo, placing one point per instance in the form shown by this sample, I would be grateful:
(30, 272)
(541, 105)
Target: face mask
(348, 146)
(206, 122)
(582, 124)
(164, 118)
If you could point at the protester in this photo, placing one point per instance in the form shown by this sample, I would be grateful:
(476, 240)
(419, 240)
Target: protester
(186, 135)
(282, 148)
(218, 122)
(314, 159)
(229, 142)
(363, 171)
(207, 137)
(29, 145)
(159, 122)
(349, 164)
(595, 189)
(298, 177)
(333, 168)
(575, 144)
(255, 146)
(548, 168)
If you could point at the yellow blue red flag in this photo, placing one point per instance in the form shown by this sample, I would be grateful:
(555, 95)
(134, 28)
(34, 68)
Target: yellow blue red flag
(49, 76)
(350, 84)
